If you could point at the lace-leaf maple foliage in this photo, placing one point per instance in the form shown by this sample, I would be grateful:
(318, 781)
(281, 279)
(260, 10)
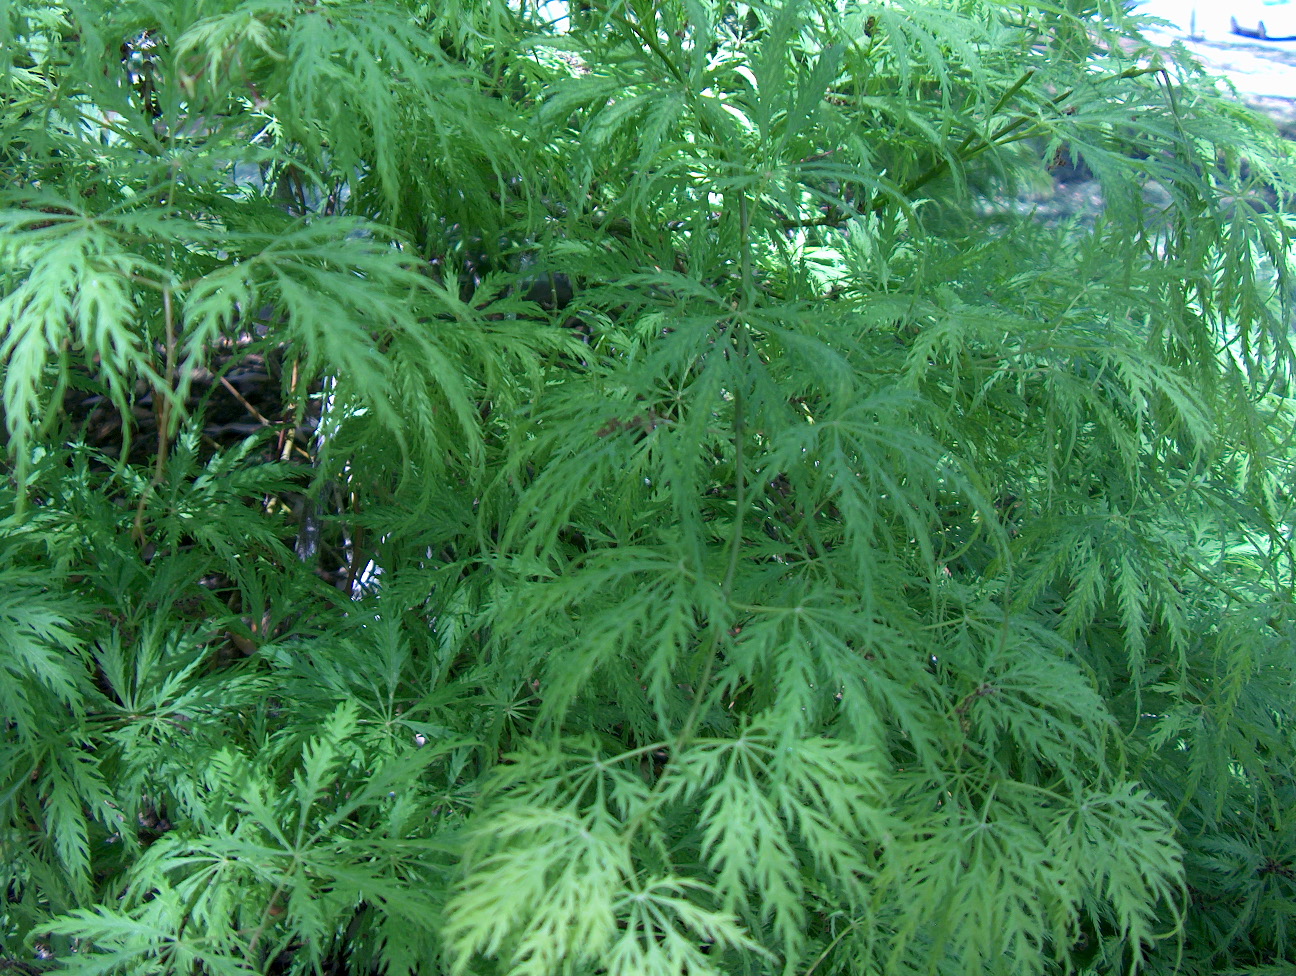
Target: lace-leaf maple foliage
(502, 489)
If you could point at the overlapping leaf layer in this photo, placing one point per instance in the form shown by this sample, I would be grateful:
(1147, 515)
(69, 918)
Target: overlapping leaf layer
(632, 488)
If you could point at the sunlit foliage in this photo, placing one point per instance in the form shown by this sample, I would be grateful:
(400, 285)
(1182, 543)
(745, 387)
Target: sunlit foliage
(692, 515)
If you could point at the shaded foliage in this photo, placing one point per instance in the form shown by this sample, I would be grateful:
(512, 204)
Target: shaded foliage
(685, 522)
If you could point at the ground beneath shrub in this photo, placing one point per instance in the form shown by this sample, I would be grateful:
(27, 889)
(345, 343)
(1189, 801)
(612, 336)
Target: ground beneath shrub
(1261, 73)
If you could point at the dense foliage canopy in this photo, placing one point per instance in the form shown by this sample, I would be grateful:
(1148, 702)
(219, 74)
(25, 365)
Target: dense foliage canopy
(637, 490)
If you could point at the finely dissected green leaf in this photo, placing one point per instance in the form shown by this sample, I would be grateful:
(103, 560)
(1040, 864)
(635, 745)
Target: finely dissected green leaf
(663, 931)
(656, 487)
(764, 799)
(1101, 834)
(132, 945)
(67, 278)
(542, 891)
(40, 648)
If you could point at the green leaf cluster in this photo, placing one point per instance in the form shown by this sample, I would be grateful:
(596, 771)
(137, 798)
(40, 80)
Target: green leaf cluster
(636, 487)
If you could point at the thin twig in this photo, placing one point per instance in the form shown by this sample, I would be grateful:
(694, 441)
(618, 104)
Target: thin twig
(162, 394)
(242, 400)
(288, 437)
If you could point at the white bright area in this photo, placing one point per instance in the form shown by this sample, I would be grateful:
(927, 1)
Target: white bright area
(1212, 19)
(1263, 68)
